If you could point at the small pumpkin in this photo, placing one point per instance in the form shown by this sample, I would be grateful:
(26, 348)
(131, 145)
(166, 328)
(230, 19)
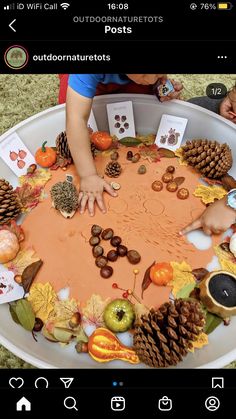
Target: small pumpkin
(104, 346)
(9, 246)
(45, 156)
(161, 273)
(101, 139)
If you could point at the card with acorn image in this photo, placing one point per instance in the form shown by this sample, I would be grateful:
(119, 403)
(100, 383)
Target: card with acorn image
(15, 154)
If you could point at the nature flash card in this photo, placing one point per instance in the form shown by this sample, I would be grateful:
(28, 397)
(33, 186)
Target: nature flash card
(15, 154)
(9, 289)
(92, 124)
(121, 119)
(171, 131)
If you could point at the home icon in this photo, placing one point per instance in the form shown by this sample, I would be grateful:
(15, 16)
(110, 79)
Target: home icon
(23, 405)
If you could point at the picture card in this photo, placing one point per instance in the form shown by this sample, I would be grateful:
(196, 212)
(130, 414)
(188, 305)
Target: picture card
(9, 289)
(15, 154)
(92, 124)
(121, 119)
(171, 131)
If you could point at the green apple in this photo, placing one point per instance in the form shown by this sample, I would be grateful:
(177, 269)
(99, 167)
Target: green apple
(119, 315)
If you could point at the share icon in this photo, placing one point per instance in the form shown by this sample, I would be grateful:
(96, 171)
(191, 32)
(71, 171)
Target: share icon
(67, 381)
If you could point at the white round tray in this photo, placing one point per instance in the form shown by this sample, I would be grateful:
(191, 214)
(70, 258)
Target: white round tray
(147, 112)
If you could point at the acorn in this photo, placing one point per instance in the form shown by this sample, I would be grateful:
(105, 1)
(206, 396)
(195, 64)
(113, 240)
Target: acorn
(81, 347)
(135, 158)
(38, 325)
(75, 320)
(142, 169)
(115, 155)
(129, 155)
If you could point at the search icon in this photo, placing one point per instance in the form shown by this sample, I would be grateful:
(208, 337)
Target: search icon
(70, 403)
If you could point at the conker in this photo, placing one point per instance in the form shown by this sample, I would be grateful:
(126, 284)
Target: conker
(133, 257)
(183, 193)
(167, 177)
(101, 261)
(114, 155)
(157, 185)
(96, 230)
(129, 155)
(107, 234)
(115, 241)
(94, 240)
(112, 255)
(170, 169)
(98, 251)
(172, 186)
(106, 271)
(122, 250)
(38, 325)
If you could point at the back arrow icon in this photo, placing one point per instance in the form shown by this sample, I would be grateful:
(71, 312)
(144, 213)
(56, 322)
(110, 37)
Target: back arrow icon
(10, 25)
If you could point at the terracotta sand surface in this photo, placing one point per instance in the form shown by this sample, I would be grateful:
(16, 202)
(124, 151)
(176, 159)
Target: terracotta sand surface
(147, 221)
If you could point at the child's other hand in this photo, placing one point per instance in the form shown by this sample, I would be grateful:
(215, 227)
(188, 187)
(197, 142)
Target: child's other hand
(178, 86)
(216, 218)
(91, 192)
(226, 107)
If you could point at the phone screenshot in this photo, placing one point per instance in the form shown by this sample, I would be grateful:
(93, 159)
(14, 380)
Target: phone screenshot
(117, 209)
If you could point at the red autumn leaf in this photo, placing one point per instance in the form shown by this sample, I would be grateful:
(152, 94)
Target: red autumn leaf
(14, 228)
(28, 196)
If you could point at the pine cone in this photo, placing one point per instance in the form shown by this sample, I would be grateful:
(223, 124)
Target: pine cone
(164, 336)
(210, 158)
(63, 147)
(113, 169)
(10, 207)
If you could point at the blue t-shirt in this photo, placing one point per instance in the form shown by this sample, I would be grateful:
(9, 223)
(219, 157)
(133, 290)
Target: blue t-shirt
(86, 84)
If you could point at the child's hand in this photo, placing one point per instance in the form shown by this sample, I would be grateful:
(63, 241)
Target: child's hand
(178, 86)
(227, 109)
(91, 192)
(216, 218)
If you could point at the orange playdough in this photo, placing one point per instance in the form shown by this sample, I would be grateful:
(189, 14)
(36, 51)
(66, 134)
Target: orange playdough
(147, 221)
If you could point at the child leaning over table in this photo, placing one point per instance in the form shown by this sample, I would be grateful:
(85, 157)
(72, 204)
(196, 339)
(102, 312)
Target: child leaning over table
(81, 90)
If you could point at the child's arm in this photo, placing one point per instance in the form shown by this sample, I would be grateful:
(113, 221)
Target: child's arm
(216, 218)
(91, 185)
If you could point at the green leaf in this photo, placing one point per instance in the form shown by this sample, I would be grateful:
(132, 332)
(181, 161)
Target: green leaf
(12, 309)
(81, 335)
(130, 141)
(164, 152)
(185, 291)
(212, 322)
(25, 314)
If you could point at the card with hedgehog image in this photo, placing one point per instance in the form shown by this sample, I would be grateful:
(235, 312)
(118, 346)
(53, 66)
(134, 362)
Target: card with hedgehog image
(15, 154)
(121, 119)
(171, 131)
(92, 124)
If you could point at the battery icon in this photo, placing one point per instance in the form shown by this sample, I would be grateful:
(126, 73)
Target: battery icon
(224, 6)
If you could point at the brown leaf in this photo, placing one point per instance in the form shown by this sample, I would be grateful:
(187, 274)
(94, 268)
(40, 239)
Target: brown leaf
(200, 273)
(30, 273)
(146, 279)
(179, 180)
(164, 152)
(228, 182)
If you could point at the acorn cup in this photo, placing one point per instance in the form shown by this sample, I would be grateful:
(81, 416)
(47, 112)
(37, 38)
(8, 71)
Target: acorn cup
(211, 159)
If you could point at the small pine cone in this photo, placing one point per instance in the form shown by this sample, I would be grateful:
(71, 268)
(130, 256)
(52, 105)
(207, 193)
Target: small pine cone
(164, 336)
(62, 146)
(210, 158)
(10, 206)
(113, 169)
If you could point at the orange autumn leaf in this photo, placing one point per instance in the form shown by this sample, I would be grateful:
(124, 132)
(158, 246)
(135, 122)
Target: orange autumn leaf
(42, 298)
(39, 178)
(29, 196)
(209, 194)
(23, 259)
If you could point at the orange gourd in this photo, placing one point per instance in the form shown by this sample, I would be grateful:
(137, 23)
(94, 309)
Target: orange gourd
(101, 139)
(45, 156)
(103, 346)
(161, 273)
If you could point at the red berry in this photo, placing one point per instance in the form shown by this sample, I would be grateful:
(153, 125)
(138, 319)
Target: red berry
(125, 295)
(115, 285)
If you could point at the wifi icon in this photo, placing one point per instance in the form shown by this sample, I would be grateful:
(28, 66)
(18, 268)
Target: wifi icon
(64, 5)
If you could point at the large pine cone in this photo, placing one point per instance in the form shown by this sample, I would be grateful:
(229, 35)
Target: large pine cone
(113, 169)
(63, 147)
(210, 158)
(10, 207)
(164, 336)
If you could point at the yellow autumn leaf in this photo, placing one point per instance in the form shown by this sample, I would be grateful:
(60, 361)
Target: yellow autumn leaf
(23, 259)
(202, 340)
(39, 178)
(179, 153)
(42, 298)
(140, 310)
(182, 276)
(63, 311)
(148, 139)
(226, 260)
(209, 194)
(94, 309)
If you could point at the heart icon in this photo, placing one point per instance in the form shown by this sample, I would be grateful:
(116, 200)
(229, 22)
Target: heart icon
(16, 382)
